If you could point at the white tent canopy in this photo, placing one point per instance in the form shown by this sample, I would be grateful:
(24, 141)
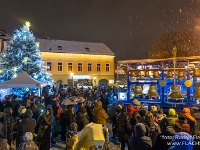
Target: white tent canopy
(22, 81)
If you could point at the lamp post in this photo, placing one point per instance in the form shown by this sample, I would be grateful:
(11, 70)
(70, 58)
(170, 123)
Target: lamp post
(94, 80)
(72, 79)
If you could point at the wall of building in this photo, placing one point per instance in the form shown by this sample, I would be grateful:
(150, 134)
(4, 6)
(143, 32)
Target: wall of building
(93, 75)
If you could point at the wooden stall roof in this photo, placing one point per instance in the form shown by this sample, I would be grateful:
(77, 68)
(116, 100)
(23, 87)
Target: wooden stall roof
(145, 61)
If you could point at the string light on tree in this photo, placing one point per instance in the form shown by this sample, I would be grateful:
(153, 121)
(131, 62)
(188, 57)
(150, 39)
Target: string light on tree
(37, 44)
(23, 55)
(27, 25)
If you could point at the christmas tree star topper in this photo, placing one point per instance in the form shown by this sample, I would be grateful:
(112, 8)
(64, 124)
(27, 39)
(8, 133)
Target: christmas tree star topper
(27, 25)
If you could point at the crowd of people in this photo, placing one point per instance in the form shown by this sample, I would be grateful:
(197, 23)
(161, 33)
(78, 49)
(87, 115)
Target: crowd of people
(46, 118)
(32, 122)
(143, 129)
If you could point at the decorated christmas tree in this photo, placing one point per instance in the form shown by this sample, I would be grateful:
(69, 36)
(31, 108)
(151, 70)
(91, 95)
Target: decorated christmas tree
(23, 54)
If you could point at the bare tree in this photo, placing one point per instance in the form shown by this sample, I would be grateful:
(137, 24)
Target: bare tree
(186, 42)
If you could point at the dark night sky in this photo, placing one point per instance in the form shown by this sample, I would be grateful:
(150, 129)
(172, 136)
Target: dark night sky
(127, 27)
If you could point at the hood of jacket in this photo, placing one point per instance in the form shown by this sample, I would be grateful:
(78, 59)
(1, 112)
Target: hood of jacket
(28, 114)
(172, 112)
(98, 104)
(182, 141)
(140, 130)
(186, 110)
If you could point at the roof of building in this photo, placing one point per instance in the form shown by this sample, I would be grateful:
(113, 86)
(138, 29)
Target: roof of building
(63, 46)
(4, 35)
(145, 61)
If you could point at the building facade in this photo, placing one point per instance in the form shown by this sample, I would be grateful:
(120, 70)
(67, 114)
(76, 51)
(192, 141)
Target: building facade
(72, 62)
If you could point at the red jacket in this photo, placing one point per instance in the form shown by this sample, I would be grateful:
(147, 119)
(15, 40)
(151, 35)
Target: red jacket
(184, 125)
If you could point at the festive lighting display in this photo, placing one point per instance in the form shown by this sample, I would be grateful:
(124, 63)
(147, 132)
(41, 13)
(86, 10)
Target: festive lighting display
(23, 54)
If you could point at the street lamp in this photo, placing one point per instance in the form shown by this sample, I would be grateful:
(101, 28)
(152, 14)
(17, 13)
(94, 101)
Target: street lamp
(95, 80)
(72, 79)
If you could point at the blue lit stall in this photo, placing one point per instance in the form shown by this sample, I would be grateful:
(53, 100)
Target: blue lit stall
(169, 82)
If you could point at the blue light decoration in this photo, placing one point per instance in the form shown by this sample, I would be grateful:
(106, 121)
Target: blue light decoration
(23, 54)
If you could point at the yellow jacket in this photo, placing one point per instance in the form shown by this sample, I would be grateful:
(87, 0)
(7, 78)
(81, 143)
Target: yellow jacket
(100, 114)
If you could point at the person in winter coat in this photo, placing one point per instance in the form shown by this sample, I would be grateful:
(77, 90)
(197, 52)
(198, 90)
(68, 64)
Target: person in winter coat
(166, 135)
(67, 117)
(81, 119)
(118, 111)
(182, 125)
(140, 115)
(71, 136)
(153, 129)
(172, 116)
(106, 135)
(160, 115)
(182, 141)
(100, 114)
(123, 127)
(15, 106)
(9, 121)
(196, 130)
(131, 113)
(154, 110)
(138, 141)
(28, 143)
(26, 125)
(190, 119)
(43, 137)
(89, 111)
(57, 117)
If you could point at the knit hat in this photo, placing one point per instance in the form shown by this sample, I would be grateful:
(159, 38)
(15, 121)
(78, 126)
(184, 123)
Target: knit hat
(28, 136)
(172, 112)
(21, 110)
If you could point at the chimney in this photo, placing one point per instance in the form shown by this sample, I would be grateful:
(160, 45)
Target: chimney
(1, 45)
(4, 45)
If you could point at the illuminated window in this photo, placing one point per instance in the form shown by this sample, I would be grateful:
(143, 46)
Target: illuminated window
(98, 67)
(107, 67)
(79, 66)
(59, 66)
(49, 66)
(89, 67)
(69, 66)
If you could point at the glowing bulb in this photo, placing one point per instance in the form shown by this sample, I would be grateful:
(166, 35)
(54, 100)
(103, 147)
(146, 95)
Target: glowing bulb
(25, 59)
(15, 75)
(1, 71)
(37, 44)
(27, 25)
(15, 68)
